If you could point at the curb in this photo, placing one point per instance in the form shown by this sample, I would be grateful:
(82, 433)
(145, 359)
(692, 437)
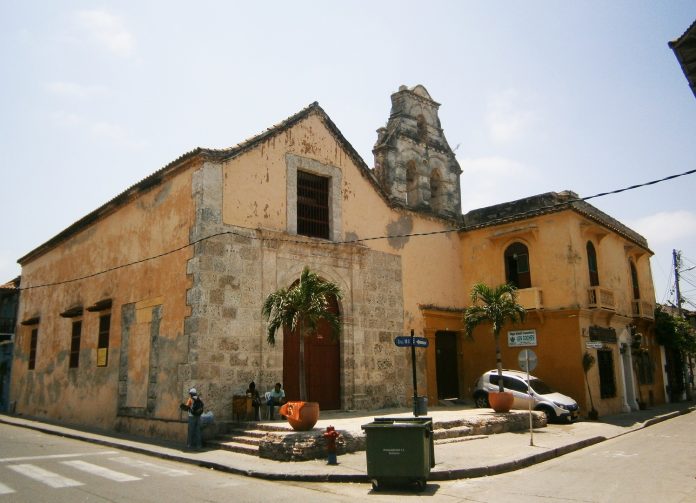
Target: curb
(463, 473)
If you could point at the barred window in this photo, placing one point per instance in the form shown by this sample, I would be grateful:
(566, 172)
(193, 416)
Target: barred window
(607, 383)
(75, 344)
(32, 348)
(312, 205)
(103, 342)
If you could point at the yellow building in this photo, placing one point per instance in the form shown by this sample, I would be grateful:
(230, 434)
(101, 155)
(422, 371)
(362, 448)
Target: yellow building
(161, 288)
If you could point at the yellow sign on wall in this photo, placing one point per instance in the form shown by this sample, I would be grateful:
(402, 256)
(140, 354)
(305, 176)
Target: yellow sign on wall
(102, 357)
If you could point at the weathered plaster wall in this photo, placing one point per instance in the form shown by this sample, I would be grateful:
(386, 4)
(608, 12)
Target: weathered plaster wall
(559, 269)
(155, 222)
(255, 197)
(558, 259)
(234, 271)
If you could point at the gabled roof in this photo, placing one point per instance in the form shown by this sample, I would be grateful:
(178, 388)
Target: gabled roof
(541, 204)
(685, 49)
(200, 155)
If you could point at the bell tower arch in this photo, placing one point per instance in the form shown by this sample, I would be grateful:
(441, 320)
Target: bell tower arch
(413, 161)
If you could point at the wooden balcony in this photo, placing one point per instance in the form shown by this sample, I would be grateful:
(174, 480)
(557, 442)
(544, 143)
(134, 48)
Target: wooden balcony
(643, 309)
(530, 298)
(601, 298)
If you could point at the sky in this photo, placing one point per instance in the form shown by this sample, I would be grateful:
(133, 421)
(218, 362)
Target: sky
(536, 96)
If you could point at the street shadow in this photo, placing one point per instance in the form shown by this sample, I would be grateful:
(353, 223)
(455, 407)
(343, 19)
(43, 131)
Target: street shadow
(405, 490)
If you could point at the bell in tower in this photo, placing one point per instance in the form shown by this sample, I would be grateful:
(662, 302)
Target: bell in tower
(413, 161)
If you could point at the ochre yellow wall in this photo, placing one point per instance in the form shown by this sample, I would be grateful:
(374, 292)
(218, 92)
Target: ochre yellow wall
(255, 196)
(156, 222)
(559, 270)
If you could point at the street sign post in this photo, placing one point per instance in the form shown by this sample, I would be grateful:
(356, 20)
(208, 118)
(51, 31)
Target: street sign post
(405, 341)
(528, 361)
(413, 342)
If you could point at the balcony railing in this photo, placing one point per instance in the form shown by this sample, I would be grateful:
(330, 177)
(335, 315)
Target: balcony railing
(601, 298)
(530, 298)
(643, 309)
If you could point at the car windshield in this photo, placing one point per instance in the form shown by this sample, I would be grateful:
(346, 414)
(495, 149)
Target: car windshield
(540, 386)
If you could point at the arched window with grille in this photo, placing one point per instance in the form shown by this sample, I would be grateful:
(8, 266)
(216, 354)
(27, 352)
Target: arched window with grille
(592, 264)
(517, 266)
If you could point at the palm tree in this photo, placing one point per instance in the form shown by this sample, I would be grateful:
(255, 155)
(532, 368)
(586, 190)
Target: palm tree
(496, 306)
(299, 309)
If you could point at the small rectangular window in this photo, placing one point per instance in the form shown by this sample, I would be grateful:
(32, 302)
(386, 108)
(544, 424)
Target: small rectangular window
(312, 205)
(32, 348)
(75, 344)
(103, 343)
(605, 364)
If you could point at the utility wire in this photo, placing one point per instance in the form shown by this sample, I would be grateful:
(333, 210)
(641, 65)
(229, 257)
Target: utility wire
(361, 240)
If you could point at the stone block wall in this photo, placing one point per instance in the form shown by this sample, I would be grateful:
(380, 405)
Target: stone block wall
(233, 269)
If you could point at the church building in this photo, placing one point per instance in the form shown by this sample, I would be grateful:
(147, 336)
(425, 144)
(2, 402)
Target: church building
(161, 288)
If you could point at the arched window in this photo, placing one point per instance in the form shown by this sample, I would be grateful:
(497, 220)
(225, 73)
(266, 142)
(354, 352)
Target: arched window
(634, 281)
(592, 264)
(517, 266)
(422, 127)
(411, 183)
(435, 190)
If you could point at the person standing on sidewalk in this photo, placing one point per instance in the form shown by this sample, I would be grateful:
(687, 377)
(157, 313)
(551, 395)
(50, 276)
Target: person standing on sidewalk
(194, 406)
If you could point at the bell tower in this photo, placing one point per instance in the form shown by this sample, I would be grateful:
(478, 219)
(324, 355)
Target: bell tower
(413, 161)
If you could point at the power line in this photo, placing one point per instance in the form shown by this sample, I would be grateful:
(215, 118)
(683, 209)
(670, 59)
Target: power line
(360, 240)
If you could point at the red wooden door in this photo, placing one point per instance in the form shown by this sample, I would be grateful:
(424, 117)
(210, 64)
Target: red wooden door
(322, 366)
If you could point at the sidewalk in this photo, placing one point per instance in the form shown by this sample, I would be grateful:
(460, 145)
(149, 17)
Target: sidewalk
(475, 456)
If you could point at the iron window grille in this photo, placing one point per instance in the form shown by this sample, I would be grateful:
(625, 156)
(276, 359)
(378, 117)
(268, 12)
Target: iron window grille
(312, 205)
(32, 348)
(103, 343)
(75, 344)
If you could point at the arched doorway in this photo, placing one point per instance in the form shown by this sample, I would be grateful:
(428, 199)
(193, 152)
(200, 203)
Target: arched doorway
(322, 365)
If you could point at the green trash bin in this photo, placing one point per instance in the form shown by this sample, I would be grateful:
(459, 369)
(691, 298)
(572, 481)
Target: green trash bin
(399, 451)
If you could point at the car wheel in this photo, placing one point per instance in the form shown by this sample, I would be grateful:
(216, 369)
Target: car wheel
(481, 401)
(550, 416)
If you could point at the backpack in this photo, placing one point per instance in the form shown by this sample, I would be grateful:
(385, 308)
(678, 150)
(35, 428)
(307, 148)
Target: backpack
(197, 407)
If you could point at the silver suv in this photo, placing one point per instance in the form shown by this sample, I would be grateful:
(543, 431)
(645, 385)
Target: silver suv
(555, 405)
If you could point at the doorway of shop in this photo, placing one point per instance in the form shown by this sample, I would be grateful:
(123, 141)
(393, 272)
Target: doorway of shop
(447, 368)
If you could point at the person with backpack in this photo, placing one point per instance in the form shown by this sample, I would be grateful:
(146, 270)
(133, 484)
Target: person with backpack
(194, 406)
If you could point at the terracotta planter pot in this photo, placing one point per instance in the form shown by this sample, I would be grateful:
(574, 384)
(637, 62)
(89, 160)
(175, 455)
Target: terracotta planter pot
(500, 402)
(302, 416)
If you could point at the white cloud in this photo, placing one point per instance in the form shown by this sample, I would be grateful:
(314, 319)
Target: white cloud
(666, 226)
(493, 180)
(108, 30)
(104, 130)
(74, 90)
(508, 117)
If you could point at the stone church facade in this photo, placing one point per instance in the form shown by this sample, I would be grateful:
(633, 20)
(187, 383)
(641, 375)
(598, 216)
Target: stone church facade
(161, 288)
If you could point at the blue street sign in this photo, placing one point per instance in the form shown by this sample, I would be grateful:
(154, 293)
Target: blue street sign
(405, 341)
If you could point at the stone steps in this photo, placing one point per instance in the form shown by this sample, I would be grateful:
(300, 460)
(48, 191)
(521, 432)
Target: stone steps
(280, 443)
(236, 446)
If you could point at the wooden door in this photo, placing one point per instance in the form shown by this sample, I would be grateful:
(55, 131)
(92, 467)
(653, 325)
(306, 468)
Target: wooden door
(322, 366)
(447, 369)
